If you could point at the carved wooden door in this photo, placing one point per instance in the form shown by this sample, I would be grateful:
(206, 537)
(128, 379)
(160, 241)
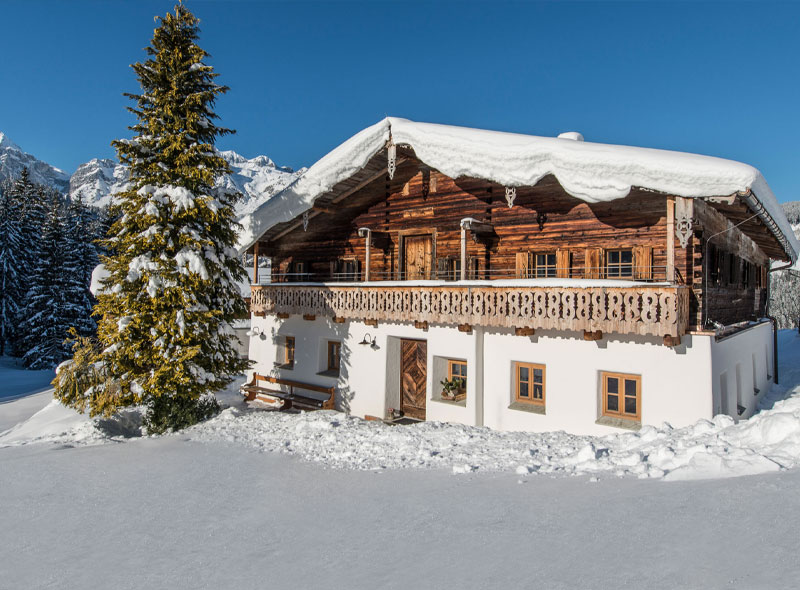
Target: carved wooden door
(418, 257)
(413, 377)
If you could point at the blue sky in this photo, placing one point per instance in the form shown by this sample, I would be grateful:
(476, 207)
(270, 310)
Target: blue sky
(715, 78)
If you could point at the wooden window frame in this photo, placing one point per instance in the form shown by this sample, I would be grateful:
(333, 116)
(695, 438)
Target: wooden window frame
(530, 399)
(288, 352)
(620, 265)
(621, 414)
(334, 360)
(550, 270)
(463, 378)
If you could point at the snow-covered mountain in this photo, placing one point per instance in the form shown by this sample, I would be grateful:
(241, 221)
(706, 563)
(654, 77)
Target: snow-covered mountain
(95, 181)
(256, 178)
(13, 160)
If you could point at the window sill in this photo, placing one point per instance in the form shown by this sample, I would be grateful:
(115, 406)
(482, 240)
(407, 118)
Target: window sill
(530, 408)
(329, 373)
(450, 402)
(619, 423)
(286, 366)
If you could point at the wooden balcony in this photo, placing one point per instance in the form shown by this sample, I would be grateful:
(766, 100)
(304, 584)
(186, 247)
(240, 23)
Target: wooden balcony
(655, 310)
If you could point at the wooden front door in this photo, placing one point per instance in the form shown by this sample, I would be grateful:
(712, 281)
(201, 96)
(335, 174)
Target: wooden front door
(417, 257)
(413, 377)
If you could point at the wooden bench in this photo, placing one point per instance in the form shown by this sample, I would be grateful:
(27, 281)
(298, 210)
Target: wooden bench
(290, 399)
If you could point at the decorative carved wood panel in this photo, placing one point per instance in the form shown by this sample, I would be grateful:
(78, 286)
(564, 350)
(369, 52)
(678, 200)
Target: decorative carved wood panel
(413, 377)
(656, 310)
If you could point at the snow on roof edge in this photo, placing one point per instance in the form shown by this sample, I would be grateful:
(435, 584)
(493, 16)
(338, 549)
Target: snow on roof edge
(592, 172)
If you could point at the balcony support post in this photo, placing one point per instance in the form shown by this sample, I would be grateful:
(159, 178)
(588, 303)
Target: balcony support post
(463, 273)
(365, 232)
(255, 263)
(670, 239)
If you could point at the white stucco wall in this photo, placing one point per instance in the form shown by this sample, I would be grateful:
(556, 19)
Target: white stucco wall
(749, 354)
(676, 384)
(369, 378)
(679, 384)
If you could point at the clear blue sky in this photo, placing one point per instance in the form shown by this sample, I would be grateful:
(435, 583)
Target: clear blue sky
(715, 78)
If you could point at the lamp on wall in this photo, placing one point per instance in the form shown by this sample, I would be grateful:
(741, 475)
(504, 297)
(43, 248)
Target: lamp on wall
(368, 340)
(255, 331)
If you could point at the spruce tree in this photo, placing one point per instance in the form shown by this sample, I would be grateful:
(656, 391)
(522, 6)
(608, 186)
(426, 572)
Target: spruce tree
(11, 285)
(46, 315)
(166, 309)
(78, 260)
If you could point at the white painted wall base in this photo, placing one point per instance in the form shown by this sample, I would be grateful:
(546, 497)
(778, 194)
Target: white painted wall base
(679, 384)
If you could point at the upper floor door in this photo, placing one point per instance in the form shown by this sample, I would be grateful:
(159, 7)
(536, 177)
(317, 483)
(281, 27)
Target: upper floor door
(417, 257)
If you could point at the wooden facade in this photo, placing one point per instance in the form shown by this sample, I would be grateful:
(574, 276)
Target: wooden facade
(411, 227)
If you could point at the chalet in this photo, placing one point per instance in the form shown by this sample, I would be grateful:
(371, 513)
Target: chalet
(550, 283)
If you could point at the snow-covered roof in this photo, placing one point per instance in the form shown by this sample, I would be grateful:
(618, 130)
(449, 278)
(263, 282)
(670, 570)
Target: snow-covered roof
(592, 172)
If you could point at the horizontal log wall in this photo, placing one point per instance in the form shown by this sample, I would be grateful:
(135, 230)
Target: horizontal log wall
(638, 220)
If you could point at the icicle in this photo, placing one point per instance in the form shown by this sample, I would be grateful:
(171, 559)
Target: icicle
(511, 194)
(392, 155)
(305, 221)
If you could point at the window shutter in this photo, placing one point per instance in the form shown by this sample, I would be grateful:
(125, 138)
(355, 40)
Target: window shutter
(473, 268)
(443, 269)
(594, 263)
(563, 266)
(643, 262)
(523, 265)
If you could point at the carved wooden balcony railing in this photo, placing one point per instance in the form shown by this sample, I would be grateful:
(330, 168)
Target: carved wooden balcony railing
(652, 310)
(645, 310)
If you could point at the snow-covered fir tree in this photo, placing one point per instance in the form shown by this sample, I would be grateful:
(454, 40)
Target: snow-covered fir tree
(11, 285)
(45, 323)
(78, 262)
(167, 306)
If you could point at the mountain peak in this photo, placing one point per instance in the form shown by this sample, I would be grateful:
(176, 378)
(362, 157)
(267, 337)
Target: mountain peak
(13, 160)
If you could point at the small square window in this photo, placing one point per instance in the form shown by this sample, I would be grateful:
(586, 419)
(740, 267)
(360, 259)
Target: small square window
(530, 383)
(288, 352)
(619, 263)
(543, 265)
(334, 355)
(622, 395)
(457, 370)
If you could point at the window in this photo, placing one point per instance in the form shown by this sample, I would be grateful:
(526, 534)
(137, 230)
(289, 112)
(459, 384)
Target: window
(298, 271)
(346, 269)
(530, 383)
(288, 352)
(448, 269)
(622, 395)
(457, 371)
(619, 263)
(334, 353)
(543, 265)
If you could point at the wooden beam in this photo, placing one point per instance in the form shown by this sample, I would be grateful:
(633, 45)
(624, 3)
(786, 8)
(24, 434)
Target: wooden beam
(421, 326)
(338, 320)
(344, 195)
(672, 340)
(373, 323)
(670, 239)
(283, 316)
(524, 331)
(592, 336)
(309, 317)
(255, 263)
(466, 328)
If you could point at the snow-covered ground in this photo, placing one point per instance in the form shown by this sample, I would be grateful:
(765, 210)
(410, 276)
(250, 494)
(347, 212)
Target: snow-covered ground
(342, 503)
(16, 381)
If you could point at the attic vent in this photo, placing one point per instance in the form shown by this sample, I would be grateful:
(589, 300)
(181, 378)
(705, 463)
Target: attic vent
(574, 135)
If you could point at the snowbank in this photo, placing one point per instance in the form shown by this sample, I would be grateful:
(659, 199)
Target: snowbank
(708, 449)
(718, 448)
(593, 172)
